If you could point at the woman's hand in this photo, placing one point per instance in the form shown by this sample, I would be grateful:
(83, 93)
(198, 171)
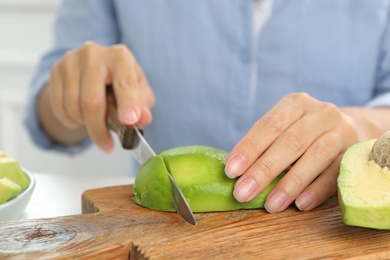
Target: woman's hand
(76, 92)
(310, 136)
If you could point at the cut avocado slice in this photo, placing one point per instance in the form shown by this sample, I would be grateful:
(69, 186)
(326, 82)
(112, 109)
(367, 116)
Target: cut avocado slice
(8, 190)
(364, 189)
(152, 186)
(199, 172)
(10, 168)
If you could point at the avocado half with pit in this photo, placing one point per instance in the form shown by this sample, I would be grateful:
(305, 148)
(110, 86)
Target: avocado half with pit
(364, 188)
(199, 172)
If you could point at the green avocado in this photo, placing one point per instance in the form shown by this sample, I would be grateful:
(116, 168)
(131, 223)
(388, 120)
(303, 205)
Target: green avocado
(199, 172)
(364, 188)
(8, 190)
(10, 168)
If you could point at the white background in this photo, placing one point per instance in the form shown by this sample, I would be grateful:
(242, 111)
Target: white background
(25, 34)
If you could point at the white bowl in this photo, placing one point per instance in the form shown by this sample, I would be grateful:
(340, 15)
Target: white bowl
(13, 209)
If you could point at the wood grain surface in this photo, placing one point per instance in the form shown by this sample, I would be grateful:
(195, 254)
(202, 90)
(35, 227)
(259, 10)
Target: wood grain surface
(113, 227)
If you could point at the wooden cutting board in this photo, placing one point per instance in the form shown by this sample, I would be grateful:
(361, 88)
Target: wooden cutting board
(113, 227)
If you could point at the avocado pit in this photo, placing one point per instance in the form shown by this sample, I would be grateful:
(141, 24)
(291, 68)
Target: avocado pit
(380, 151)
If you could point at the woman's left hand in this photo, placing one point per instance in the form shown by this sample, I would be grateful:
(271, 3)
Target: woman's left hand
(309, 135)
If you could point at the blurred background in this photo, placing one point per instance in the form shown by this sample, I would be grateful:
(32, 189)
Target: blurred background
(25, 34)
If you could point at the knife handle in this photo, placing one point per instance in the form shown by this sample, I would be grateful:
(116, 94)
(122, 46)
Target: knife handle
(126, 134)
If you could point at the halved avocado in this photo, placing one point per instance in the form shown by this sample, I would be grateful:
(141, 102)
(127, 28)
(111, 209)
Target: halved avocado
(199, 172)
(364, 188)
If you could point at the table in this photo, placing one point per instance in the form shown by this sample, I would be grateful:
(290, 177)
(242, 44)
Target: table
(60, 195)
(116, 228)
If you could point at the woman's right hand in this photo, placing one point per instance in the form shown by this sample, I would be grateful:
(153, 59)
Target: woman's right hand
(76, 92)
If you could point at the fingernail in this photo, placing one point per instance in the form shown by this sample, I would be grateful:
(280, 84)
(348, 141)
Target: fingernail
(276, 201)
(244, 190)
(304, 201)
(129, 116)
(235, 166)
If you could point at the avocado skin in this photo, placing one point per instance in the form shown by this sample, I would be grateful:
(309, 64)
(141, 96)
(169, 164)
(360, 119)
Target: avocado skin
(199, 172)
(357, 209)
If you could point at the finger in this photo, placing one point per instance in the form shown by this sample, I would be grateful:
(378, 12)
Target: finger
(147, 97)
(284, 151)
(71, 85)
(146, 116)
(263, 133)
(289, 146)
(93, 98)
(321, 189)
(125, 85)
(313, 162)
(56, 97)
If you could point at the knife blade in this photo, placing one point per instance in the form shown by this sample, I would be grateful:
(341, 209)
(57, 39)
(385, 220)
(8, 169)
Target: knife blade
(131, 138)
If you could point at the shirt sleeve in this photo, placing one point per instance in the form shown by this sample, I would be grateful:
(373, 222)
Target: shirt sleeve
(382, 87)
(76, 22)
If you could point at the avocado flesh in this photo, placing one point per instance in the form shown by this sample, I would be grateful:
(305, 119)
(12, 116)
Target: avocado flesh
(8, 190)
(10, 168)
(152, 187)
(199, 172)
(364, 189)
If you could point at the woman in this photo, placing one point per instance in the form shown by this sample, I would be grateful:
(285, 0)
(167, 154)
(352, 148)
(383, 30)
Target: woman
(277, 83)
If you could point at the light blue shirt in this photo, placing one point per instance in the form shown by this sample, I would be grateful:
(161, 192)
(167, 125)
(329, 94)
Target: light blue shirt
(198, 56)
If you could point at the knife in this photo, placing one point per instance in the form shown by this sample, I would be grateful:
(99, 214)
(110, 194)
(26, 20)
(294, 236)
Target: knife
(131, 138)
